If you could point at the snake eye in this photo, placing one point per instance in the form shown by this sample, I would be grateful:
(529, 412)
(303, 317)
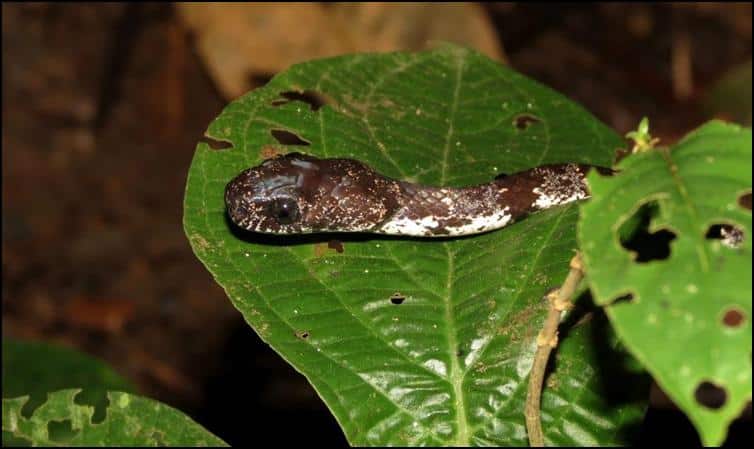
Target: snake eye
(284, 210)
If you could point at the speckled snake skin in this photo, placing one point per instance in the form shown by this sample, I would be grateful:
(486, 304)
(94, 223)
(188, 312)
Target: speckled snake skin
(300, 194)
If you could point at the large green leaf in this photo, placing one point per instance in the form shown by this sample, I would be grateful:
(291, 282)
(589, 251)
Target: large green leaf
(449, 363)
(689, 318)
(130, 421)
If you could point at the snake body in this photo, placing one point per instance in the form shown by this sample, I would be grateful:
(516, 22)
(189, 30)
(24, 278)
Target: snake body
(301, 194)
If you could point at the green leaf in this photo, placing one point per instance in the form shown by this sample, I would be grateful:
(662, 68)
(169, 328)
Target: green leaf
(131, 421)
(643, 141)
(31, 367)
(449, 363)
(689, 320)
(36, 368)
(596, 388)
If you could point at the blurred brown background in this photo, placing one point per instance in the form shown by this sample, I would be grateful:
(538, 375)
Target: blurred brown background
(103, 105)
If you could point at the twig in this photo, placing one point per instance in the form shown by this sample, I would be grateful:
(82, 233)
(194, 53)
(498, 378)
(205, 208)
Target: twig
(546, 340)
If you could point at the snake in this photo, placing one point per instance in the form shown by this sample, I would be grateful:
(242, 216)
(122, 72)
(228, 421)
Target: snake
(295, 193)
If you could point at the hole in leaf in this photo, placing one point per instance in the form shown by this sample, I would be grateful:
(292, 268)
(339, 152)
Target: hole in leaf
(729, 235)
(216, 144)
(710, 395)
(94, 397)
(627, 298)
(315, 100)
(734, 317)
(714, 232)
(287, 138)
(337, 245)
(634, 235)
(523, 121)
(61, 431)
(36, 399)
(397, 298)
(745, 200)
(158, 438)
(303, 335)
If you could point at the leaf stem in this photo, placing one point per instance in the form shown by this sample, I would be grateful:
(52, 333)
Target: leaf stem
(546, 340)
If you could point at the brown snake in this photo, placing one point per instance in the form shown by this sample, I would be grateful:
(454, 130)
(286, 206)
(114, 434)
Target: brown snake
(300, 194)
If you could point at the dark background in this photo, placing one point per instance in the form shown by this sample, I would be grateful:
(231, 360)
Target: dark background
(103, 105)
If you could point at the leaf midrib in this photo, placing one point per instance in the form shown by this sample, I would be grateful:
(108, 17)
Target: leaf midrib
(456, 374)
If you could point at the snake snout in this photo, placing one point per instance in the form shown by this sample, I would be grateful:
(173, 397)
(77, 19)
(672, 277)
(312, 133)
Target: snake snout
(238, 210)
(235, 203)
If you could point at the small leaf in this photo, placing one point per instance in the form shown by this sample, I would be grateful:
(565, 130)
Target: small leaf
(131, 421)
(35, 368)
(688, 318)
(643, 141)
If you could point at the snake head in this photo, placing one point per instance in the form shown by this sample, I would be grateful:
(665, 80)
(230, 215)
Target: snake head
(270, 198)
(297, 194)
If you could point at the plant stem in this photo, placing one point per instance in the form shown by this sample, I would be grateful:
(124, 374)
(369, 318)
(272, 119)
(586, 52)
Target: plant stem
(546, 340)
